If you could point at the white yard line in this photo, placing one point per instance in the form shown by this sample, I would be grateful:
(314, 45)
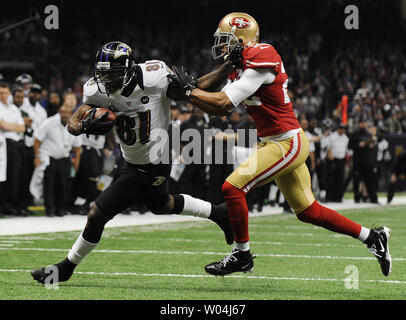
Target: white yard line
(166, 275)
(33, 225)
(201, 253)
(276, 243)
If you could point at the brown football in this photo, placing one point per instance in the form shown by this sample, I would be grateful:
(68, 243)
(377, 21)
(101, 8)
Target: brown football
(100, 112)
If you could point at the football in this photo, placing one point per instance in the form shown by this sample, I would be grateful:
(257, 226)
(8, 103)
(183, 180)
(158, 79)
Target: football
(111, 117)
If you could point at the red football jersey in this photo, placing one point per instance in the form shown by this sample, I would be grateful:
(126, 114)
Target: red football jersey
(269, 106)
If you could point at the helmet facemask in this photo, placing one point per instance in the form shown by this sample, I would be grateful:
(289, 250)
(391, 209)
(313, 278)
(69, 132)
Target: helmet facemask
(113, 78)
(224, 42)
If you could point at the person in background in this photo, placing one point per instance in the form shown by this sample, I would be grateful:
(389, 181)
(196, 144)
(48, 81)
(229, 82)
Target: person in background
(324, 162)
(12, 129)
(183, 114)
(194, 171)
(3, 165)
(218, 172)
(384, 160)
(317, 133)
(398, 172)
(35, 115)
(339, 149)
(70, 100)
(25, 81)
(174, 111)
(54, 102)
(43, 100)
(53, 140)
(25, 194)
(364, 147)
(311, 160)
(95, 147)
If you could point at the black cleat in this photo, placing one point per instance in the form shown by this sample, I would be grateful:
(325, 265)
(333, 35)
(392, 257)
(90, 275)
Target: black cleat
(56, 273)
(40, 275)
(232, 263)
(219, 214)
(380, 249)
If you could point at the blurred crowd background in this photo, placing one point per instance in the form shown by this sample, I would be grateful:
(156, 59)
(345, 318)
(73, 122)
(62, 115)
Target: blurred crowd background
(328, 67)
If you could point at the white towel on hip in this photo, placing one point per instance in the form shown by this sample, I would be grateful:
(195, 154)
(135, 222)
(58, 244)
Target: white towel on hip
(3, 159)
(37, 180)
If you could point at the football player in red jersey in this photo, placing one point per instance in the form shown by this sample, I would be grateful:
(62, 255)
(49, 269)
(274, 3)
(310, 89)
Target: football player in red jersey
(259, 82)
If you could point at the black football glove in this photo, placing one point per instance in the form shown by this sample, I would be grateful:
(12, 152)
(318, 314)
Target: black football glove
(96, 126)
(182, 79)
(235, 55)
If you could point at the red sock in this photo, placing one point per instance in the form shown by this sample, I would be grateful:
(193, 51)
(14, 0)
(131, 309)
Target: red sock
(329, 219)
(237, 211)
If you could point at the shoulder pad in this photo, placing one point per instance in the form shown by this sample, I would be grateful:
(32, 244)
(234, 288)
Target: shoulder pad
(92, 95)
(90, 87)
(261, 55)
(153, 72)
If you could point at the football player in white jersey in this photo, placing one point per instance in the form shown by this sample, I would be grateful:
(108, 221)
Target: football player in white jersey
(140, 95)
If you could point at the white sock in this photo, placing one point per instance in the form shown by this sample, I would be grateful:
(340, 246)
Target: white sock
(242, 246)
(195, 207)
(80, 249)
(363, 235)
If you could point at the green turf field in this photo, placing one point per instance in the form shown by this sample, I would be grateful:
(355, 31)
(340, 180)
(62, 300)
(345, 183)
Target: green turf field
(294, 261)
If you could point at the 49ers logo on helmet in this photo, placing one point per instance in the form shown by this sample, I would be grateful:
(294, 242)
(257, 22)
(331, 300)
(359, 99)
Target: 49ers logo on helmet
(240, 22)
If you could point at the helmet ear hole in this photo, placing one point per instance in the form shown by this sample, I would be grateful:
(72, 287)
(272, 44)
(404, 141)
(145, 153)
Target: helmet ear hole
(240, 40)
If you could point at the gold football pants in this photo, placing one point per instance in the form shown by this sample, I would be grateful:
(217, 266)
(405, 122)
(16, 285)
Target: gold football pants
(282, 161)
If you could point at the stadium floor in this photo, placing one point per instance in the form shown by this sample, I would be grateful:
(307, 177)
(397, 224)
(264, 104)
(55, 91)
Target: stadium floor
(165, 261)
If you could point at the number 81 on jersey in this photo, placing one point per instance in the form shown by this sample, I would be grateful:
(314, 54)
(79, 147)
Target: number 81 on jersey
(126, 128)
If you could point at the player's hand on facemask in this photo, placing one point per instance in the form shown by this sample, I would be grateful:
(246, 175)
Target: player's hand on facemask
(235, 56)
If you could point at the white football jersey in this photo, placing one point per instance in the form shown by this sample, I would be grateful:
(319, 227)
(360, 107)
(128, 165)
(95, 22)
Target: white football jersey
(142, 116)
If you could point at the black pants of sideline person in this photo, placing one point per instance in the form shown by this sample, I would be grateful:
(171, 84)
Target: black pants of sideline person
(14, 183)
(56, 177)
(218, 174)
(28, 170)
(337, 179)
(193, 181)
(85, 183)
(368, 174)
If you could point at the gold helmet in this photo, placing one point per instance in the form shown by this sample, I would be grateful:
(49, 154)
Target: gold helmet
(234, 28)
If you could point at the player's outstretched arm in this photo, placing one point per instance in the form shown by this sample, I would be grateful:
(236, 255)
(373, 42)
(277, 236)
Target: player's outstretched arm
(74, 124)
(216, 102)
(209, 109)
(215, 79)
